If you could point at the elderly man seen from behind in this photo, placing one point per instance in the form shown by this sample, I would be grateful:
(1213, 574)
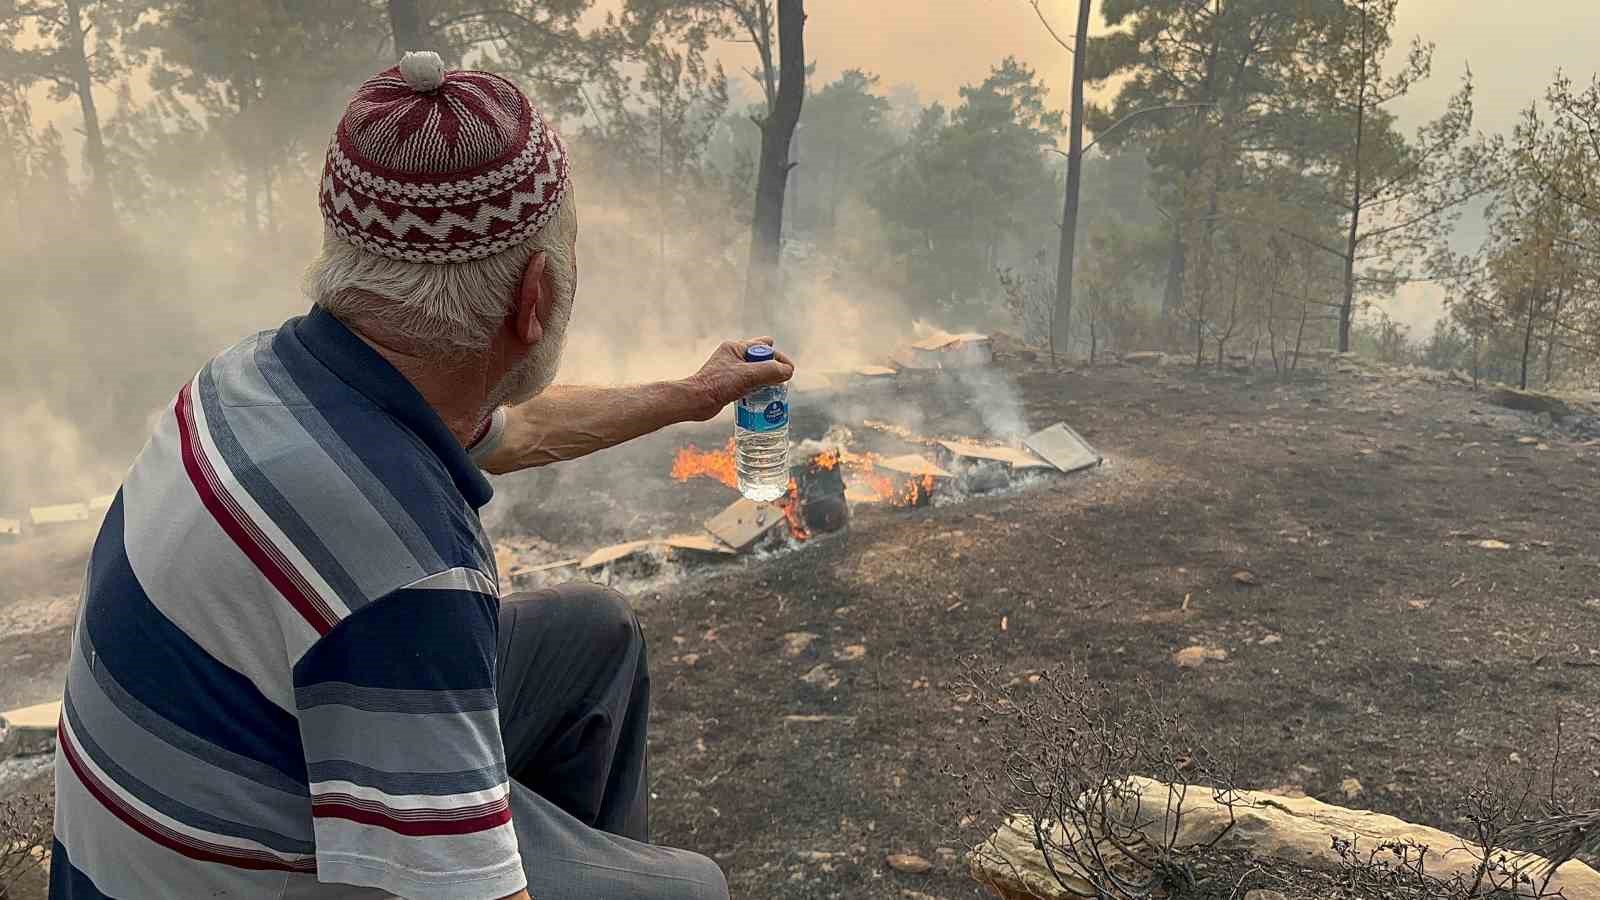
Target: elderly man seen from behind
(293, 674)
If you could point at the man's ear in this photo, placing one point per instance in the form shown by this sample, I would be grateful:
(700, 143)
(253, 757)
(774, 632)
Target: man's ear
(533, 301)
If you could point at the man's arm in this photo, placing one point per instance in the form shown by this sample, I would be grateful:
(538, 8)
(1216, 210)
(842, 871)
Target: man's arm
(566, 422)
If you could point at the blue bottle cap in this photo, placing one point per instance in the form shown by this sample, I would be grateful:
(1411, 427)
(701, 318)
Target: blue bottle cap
(758, 353)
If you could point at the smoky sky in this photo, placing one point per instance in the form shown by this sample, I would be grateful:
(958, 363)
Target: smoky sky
(1513, 48)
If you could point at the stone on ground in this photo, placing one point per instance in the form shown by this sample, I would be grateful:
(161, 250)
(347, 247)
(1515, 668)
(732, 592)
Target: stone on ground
(1295, 830)
(29, 730)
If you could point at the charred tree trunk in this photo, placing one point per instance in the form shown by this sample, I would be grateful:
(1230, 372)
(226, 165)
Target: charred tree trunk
(1527, 338)
(777, 130)
(94, 144)
(406, 23)
(1348, 304)
(1061, 327)
(1550, 338)
(1172, 299)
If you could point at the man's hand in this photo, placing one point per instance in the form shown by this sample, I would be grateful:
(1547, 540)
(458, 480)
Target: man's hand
(566, 422)
(726, 377)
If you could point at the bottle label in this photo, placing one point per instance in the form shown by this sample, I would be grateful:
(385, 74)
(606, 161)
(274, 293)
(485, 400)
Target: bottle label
(758, 417)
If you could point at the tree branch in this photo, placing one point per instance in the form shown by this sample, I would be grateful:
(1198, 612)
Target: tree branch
(1050, 28)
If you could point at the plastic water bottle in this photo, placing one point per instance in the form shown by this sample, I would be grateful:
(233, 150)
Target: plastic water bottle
(761, 436)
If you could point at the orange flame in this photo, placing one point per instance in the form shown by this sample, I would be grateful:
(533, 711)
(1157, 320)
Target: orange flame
(692, 462)
(790, 504)
(825, 461)
(890, 489)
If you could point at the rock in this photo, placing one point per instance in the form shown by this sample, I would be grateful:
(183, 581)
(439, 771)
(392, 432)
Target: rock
(1196, 656)
(1351, 788)
(851, 653)
(822, 676)
(797, 642)
(29, 731)
(1531, 401)
(1245, 577)
(1146, 358)
(816, 855)
(1294, 830)
(1272, 639)
(909, 863)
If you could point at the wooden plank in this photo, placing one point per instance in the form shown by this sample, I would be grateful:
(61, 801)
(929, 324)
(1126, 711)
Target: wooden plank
(875, 372)
(519, 571)
(860, 493)
(41, 717)
(608, 555)
(699, 543)
(1011, 456)
(1063, 448)
(945, 339)
(59, 514)
(745, 522)
(912, 464)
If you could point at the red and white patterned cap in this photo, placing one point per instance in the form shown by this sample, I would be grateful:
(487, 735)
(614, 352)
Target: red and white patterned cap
(432, 166)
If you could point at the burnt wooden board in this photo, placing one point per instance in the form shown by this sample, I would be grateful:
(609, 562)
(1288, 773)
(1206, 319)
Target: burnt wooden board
(1063, 448)
(1011, 456)
(699, 543)
(745, 522)
(607, 555)
(912, 464)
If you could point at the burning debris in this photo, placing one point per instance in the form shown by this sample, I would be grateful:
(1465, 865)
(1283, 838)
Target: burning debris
(742, 525)
(1064, 448)
(943, 350)
(830, 475)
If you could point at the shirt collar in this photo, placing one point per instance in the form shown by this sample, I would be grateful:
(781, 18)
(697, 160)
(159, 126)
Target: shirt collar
(365, 370)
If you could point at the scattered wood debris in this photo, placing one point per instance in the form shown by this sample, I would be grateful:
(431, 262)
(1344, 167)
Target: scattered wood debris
(1063, 448)
(913, 465)
(1196, 656)
(1011, 456)
(615, 553)
(60, 514)
(745, 522)
(699, 543)
(909, 863)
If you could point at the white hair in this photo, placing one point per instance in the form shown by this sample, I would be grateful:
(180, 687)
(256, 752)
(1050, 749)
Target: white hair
(447, 308)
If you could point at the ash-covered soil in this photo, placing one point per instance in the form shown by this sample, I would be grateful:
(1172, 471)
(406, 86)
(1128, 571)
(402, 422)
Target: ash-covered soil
(1383, 640)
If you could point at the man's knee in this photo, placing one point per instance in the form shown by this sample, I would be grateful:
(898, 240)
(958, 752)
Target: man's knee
(597, 616)
(700, 878)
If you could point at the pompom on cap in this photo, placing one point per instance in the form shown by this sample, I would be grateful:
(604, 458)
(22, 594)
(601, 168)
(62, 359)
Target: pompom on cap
(422, 70)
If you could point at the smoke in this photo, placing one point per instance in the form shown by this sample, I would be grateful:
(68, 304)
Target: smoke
(996, 399)
(115, 318)
(48, 459)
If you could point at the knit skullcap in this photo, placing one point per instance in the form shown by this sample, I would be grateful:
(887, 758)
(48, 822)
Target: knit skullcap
(434, 166)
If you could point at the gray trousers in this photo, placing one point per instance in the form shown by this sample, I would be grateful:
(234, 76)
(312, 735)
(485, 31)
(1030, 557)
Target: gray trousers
(574, 692)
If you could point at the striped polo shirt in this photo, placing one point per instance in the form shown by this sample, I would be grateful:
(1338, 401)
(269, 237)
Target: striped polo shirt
(283, 675)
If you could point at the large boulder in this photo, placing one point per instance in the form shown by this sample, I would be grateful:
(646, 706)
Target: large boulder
(1532, 401)
(1297, 830)
(1145, 358)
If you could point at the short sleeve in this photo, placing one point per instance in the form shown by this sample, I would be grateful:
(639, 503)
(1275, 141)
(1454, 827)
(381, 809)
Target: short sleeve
(401, 729)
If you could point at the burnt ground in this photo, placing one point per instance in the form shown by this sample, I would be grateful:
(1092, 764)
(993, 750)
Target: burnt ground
(1405, 655)
(1381, 641)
